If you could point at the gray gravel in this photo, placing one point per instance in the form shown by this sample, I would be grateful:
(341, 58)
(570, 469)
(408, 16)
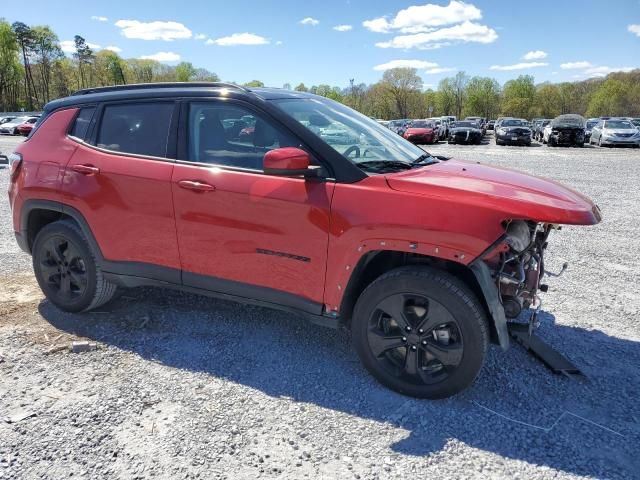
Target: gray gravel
(189, 387)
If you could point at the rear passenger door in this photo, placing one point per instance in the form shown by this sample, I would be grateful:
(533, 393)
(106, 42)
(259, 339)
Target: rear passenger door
(119, 178)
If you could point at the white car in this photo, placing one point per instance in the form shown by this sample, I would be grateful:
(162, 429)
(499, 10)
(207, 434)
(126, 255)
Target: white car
(615, 132)
(11, 127)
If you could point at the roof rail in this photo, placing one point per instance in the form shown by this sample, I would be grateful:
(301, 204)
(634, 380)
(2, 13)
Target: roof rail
(142, 86)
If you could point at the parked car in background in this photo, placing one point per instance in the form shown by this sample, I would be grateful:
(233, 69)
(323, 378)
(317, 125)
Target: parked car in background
(491, 125)
(441, 127)
(11, 127)
(382, 122)
(565, 130)
(588, 126)
(538, 129)
(465, 132)
(615, 132)
(480, 121)
(4, 120)
(421, 132)
(636, 122)
(25, 127)
(513, 131)
(398, 126)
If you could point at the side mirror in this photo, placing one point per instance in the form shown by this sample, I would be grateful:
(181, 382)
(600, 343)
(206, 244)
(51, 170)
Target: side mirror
(287, 162)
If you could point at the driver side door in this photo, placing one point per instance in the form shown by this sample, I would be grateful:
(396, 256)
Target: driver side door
(240, 231)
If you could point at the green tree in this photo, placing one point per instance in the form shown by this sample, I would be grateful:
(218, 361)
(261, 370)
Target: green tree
(548, 101)
(254, 83)
(519, 97)
(25, 39)
(204, 75)
(46, 50)
(184, 72)
(85, 57)
(301, 88)
(446, 96)
(401, 83)
(609, 99)
(482, 97)
(10, 68)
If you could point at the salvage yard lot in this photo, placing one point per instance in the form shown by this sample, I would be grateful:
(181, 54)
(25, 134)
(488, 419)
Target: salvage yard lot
(183, 386)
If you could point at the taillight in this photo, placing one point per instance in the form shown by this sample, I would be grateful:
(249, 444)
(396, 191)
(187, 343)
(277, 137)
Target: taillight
(15, 161)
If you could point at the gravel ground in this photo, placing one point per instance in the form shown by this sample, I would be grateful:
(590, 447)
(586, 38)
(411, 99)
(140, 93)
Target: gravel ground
(189, 387)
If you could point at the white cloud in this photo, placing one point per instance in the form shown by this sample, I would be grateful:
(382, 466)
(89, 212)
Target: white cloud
(113, 48)
(239, 39)
(535, 55)
(309, 21)
(201, 36)
(343, 28)
(518, 66)
(379, 25)
(279, 42)
(98, 18)
(602, 71)
(635, 28)
(464, 32)
(405, 64)
(436, 70)
(69, 46)
(162, 57)
(575, 65)
(423, 18)
(167, 31)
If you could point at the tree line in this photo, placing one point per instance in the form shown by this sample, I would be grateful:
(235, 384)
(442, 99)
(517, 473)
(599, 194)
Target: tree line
(35, 70)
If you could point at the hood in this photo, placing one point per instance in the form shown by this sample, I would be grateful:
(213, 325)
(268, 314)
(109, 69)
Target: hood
(513, 195)
(465, 129)
(624, 131)
(418, 130)
(11, 124)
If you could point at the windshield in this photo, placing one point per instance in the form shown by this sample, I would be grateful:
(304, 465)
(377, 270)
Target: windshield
(422, 124)
(592, 123)
(622, 124)
(465, 124)
(514, 123)
(568, 121)
(355, 136)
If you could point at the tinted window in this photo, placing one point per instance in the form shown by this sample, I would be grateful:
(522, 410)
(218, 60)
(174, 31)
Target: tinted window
(141, 128)
(81, 125)
(223, 134)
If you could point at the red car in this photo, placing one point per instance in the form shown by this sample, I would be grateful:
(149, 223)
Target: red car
(25, 127)
(425, 259)
(421, 132)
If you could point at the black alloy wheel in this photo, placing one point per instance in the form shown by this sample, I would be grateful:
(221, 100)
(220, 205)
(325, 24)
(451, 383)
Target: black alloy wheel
(421, 332)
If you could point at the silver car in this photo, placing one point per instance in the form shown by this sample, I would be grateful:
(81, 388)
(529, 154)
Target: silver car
(615, 132)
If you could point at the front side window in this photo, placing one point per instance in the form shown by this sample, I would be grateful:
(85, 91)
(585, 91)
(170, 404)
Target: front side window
(227, 134)
(141, 128)
(355, 136)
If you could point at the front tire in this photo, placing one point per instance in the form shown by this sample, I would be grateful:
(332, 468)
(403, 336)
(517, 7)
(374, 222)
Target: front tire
(420, 332)
(66, 269)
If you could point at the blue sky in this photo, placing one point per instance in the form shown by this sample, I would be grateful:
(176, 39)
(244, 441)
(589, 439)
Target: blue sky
(295, 41)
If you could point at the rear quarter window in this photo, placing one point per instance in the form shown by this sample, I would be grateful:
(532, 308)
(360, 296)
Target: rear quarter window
(141, 128)
(81, 123)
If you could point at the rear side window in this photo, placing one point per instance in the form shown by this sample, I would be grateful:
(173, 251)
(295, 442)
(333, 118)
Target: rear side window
(141, 128)
(81, 125)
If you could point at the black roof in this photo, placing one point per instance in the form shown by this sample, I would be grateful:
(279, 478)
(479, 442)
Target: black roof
(170, 89)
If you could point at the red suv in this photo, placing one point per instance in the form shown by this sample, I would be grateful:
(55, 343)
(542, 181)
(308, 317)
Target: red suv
(225, 191)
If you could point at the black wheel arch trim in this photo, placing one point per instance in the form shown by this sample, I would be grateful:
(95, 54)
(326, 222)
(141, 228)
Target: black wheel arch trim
(487, 284)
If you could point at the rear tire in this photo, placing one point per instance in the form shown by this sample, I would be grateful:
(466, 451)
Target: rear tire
(420, 332)
(66, 269)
